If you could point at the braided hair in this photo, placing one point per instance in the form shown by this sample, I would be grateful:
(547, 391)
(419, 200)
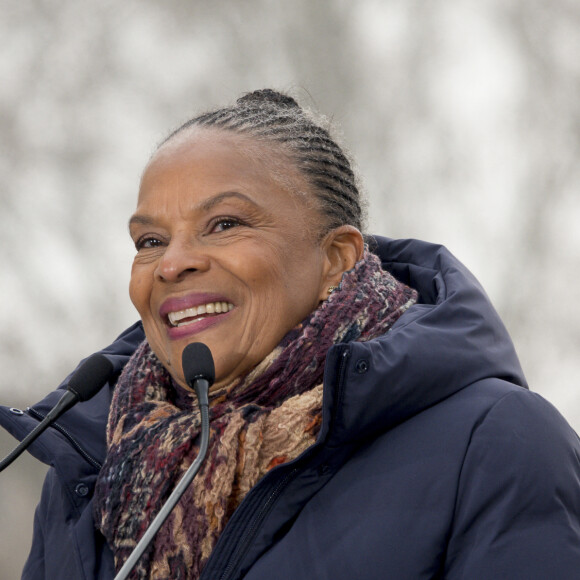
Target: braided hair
(274, 117)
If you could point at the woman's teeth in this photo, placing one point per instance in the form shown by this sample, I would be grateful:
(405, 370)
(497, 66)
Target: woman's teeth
(188, 315)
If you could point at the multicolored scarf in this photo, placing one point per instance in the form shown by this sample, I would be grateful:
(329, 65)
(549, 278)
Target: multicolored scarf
(263, 419)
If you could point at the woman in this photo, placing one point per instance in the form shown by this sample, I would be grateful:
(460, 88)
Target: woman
(369, 417)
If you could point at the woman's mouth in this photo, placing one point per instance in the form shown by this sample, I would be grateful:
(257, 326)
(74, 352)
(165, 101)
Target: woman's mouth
(187, 316)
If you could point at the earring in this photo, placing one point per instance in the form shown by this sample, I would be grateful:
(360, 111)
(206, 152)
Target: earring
(331, 289)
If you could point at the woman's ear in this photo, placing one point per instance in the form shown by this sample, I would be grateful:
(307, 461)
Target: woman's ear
(343, 247)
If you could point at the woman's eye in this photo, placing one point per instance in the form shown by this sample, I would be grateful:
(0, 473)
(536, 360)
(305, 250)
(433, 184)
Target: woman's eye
(147, 243)
(223, 224)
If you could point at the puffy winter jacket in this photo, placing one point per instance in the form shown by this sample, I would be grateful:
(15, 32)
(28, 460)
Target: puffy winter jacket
(434, 460)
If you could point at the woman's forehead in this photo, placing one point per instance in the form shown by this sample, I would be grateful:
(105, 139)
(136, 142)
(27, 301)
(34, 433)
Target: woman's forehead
(224, 154)
(208, 163)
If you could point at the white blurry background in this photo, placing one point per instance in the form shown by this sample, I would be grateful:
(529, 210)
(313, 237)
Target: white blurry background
(463, 117)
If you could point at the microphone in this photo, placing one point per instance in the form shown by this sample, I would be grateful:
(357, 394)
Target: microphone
(85, 383)
(198, 369)
(199, 373)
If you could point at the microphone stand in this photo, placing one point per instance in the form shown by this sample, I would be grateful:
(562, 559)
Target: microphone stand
(201, 386)
(64, 404)
(90, 377)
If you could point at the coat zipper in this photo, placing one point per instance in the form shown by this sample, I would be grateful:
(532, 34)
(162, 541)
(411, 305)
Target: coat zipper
(270, 501)
(256, 522)
(39, 416)
(341, 370)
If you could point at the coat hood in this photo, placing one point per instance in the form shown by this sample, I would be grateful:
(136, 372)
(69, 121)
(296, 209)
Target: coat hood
(451, 338)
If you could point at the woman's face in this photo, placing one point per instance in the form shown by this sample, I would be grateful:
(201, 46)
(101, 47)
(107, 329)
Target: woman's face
(226, 255)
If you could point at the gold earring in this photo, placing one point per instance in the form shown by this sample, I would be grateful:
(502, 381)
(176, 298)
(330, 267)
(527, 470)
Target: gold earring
(331, 289)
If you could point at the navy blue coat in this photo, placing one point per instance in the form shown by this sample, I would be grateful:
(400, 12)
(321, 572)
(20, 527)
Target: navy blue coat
(434, 460)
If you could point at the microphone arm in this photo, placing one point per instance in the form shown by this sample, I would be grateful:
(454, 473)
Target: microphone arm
(199, 373)
(86, 382)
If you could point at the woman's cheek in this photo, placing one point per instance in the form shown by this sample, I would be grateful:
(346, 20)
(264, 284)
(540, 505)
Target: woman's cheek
(138, 288)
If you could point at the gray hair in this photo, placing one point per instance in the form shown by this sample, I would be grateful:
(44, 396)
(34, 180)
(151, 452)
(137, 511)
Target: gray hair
(277, 118)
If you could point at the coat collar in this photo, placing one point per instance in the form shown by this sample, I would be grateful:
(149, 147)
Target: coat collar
(450, 339)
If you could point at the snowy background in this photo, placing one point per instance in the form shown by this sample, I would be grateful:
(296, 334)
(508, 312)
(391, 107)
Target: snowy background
(463, 117)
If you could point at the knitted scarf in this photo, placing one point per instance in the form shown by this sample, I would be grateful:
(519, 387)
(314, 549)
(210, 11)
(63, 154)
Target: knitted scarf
(263, 419)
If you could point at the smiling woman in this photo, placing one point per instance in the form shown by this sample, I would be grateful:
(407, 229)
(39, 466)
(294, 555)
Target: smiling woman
(369, 417)
(212, 226)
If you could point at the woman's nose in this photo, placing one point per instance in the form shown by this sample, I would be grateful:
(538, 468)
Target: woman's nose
(179, 260)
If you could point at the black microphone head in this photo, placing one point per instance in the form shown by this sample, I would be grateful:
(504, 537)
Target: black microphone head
(90, 377)
(197, 363)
